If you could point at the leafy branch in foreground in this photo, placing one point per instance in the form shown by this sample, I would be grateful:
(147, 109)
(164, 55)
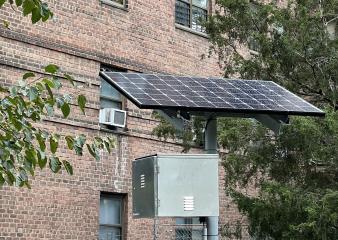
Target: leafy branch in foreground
(24, 144)
(190, 136)
(37, 9)
(295, 174)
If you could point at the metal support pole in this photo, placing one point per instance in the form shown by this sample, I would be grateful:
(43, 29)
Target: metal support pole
(211, 136)
(211, 148)
(205, 232)
(155, 228)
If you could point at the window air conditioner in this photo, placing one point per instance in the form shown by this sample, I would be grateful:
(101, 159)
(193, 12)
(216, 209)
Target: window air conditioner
(113, 117)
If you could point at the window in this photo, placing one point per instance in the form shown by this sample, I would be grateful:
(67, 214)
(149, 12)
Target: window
(190, 13)
(119, 1)
(116, 3)
(188, 229)
(110, 97)
(254, 46)
(332, 28)
(111, 217)
(253, 43)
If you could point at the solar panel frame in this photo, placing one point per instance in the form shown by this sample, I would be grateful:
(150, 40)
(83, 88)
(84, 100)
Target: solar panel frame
(197, 94)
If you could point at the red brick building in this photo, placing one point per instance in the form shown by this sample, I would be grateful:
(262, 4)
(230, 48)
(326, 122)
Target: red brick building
(83, 37)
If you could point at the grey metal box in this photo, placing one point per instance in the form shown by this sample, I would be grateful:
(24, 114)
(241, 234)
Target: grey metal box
(175, 185)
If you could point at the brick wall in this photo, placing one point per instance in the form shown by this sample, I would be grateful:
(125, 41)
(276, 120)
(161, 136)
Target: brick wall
(82, 36)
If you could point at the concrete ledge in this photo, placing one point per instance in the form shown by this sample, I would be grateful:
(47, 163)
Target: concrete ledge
(178, 26)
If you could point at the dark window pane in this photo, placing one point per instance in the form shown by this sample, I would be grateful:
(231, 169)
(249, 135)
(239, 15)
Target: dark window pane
(188, 229)
(110, 210)
(109, 91)
(182, 13)
(200, 3)
(119, 118)
(253, 44)
(198, 16)
(107, 103)
(119, 1)
(110, 233)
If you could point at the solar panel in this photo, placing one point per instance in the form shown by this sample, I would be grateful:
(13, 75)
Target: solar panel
(152, 91)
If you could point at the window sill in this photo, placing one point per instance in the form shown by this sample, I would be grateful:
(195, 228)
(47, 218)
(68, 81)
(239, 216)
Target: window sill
(253, 52)
(115, 5)
(178, 26)
(113, 130)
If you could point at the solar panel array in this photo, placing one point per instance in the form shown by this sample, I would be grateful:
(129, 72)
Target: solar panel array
(209, 94)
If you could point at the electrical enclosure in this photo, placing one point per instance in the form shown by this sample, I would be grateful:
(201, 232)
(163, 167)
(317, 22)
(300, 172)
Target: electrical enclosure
(175, 185)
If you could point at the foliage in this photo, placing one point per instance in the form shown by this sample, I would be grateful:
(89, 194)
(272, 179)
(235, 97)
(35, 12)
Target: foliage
(294, 47)
(190, 136)
(296, 172)
(25, 144)
(38, 10)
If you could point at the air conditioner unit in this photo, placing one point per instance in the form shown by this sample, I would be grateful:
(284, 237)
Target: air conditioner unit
(113, 117)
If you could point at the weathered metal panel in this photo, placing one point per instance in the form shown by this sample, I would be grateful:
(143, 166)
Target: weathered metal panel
(144, 184)
(188, 185)
(176, 185)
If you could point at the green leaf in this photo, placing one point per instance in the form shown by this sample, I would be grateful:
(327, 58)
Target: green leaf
(70, 79)
(23, 175)
(112, 141)
(50, 110)
(36, 16)
(54, 144)
(93, 152)
(55, 164)
(70, 142)
(28, 184)
(40, 86)
(65, 110)
(2, 2)
(31, 159)
(15, 121)
(79, 143)
(18, 3)
(28, 75)
(51, 68)
(28, 6)
(57, 83)
(33, 94)
(68, 167)
(42, 159)
(99, 142)
(41, 141)
(6, 24)
(49, 90)
(49, 83)
(45, 12)
(59, 102)
(107, 145)
(3, 89)
(2, 180)
(13, 91)
(10, 178)
(81, 100)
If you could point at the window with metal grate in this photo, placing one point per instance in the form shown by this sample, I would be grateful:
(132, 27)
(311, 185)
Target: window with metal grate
(191, 13)
(111, 216)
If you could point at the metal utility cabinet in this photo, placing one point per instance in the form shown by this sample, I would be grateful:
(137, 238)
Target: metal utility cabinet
(184, 185)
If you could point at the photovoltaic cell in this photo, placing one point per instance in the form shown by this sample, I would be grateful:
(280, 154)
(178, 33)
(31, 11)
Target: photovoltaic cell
(209, 94)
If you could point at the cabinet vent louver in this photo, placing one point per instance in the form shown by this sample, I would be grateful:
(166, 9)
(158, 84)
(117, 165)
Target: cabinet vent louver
(189, 203)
